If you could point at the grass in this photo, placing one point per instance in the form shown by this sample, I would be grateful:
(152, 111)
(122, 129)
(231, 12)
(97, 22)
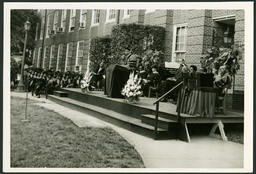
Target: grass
(50, 140)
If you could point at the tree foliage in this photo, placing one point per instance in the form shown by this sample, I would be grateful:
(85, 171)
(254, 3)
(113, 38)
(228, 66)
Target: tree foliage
(18, 18)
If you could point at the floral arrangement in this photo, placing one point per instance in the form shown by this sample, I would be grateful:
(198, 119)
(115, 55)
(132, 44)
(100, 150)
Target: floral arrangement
(85, 82)
(217, 57)
(132, 89)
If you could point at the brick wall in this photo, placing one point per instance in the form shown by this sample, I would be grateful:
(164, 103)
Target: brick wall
(200, 32)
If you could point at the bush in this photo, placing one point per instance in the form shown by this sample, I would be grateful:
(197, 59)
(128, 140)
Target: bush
(130, 39)
(15, 69)
(99, 51)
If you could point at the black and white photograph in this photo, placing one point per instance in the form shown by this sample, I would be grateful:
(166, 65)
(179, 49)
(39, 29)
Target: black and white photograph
(128, 87)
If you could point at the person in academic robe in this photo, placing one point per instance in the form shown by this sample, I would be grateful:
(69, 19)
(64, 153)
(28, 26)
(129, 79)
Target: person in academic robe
(99, 76)
(222, 82)
(153, 79)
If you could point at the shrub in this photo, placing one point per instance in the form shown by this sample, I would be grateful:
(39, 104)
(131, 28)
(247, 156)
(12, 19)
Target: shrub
(15, 69)
(99, 51)
(130, 39)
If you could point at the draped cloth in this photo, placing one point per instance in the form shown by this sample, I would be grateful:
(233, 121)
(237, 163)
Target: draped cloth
(197, 101)
(116, 78)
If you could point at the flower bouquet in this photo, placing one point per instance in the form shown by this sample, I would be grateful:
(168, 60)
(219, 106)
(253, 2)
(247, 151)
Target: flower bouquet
(85, 82)
(132, 89)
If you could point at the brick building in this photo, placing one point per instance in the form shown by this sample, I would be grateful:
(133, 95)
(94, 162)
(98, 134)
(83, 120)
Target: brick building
(63, 43)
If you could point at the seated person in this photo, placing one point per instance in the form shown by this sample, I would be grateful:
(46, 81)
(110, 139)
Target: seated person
(193, 70)
(142, 73)
(153, 79)
(99, 76)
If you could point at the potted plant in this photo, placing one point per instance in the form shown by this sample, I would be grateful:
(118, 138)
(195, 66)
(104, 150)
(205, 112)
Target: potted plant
(217, 57)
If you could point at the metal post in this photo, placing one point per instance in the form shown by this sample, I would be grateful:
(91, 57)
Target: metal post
(156, 119)
(21, 87)
(26, 106)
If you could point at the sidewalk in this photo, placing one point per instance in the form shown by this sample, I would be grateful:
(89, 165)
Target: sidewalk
(201, 152)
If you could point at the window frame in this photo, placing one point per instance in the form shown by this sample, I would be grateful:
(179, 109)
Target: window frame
(77, 51)
(45, 51)
(59, 52)
(51, 55)
(83, 12)
(63, 19)
(55, 20)
(72, 16)
(109, 12)
(125, 14)
(38, 56)
(93, 16)
(48, 26)
(174, 51)
(67, 55)
(34, 56)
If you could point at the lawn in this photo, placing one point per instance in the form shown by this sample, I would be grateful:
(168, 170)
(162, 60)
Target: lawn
(50, 140)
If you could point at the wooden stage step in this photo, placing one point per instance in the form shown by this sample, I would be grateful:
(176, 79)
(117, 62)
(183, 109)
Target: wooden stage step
(60, 93)
(162, 122)
(122, 120)
(139, 117)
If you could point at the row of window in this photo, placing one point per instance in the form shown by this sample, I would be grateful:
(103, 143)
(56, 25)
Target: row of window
(53, 28)
(54, 60)
(179, 45)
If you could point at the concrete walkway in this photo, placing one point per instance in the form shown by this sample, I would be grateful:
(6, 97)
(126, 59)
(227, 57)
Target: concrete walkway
(201, 152)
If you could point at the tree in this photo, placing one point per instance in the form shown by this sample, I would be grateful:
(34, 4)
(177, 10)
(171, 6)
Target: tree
(18, 18)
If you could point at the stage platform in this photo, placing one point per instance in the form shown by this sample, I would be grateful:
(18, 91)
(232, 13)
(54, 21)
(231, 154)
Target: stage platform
(138, 117)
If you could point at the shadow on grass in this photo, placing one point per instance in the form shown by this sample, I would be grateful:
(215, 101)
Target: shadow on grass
(50, 140)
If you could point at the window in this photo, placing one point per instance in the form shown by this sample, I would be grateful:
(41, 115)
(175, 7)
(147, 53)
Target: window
(68, 56)
(42, 27)
(48, 28)
(179, 42)
(83, 14)
(127, 13)
(95, 17)
(51, 56)
(63, 19)
(59, 56)
(39, 56)
(72, 20)
(55, 20)
(45, 59)
(79, 53)
(34, 57)
(111, 15)
(150, 10)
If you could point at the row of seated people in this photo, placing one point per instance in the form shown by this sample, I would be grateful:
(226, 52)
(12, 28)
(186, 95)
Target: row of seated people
(41, 81)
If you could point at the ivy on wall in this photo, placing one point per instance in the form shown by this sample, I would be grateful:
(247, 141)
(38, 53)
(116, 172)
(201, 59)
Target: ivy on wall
(135, 39)
(127, 40)
(99, 51)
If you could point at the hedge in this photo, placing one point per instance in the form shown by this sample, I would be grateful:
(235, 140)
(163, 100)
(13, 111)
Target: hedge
(135, 39)
(99, 51)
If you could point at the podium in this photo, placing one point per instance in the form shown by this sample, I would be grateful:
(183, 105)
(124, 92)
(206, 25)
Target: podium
(116, 78)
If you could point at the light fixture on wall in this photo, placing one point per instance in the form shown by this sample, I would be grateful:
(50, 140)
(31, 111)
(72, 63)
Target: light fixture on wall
(228, 36)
